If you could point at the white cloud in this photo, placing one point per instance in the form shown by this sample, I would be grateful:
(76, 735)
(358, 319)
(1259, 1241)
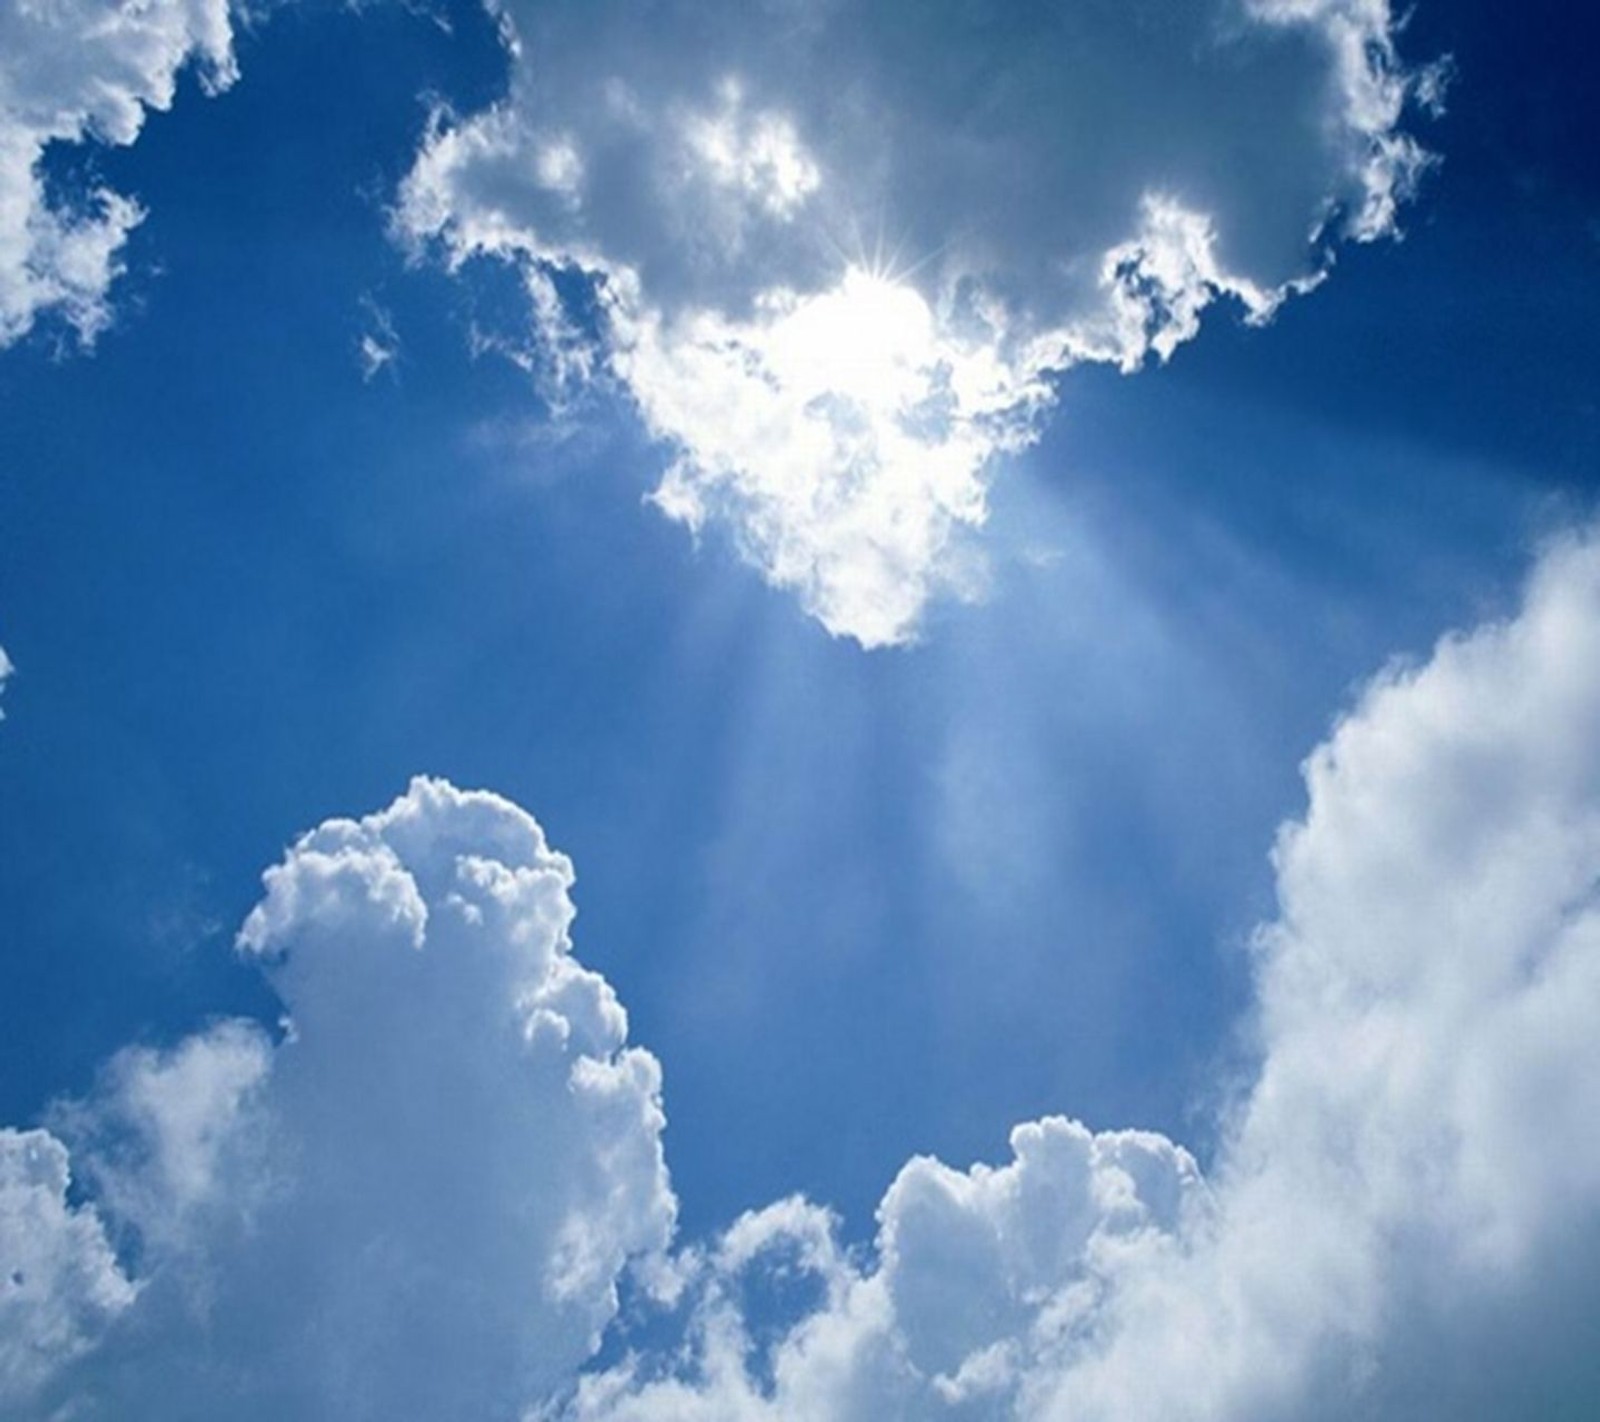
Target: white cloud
(939, 209)
(980, 1275)
(419, 1202)
(162, 1142)
(1405, 1214)
(6, 669)
(59, 1280)
(72, 71)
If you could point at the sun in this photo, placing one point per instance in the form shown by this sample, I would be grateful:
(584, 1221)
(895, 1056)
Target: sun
(868, 337)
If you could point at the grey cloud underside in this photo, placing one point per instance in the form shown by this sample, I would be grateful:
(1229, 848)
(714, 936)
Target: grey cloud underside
(1036, 184)
(422, 1200)
(1010, 146)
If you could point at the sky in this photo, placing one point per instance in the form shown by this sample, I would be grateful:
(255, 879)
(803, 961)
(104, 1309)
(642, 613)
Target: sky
(803, 710)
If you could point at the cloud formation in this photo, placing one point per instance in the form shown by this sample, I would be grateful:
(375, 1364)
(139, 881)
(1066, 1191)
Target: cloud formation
(71, 72)
(416, 1203)
(60, 1282)
(419, 1202)
(1404, 1217)
(836, 253)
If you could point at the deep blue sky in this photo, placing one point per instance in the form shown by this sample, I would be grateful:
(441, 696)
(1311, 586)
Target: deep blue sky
(861, 905)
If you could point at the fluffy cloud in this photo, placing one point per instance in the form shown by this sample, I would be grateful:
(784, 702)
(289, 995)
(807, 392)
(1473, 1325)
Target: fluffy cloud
(1418, 1135)
(981, 1279)
(72, 71)
(1405, 1214)
(6, 668)
(59, 1280)
(836, 252)
(419, 1202)
(416, 1203)
(1414, 1160)
(163, 1141)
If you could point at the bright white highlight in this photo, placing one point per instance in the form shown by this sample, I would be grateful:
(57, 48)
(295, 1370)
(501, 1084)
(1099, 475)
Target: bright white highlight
(876, 426)
(758, 156)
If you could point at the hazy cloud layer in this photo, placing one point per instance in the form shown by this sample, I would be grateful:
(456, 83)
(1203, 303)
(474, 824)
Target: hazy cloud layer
(420, 1201)
(71, 72)
(835, 251)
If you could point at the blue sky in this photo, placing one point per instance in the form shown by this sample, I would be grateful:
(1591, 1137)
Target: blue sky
(877, 874)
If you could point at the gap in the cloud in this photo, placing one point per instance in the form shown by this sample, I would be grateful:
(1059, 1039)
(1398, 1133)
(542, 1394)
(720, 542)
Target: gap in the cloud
(929, 910)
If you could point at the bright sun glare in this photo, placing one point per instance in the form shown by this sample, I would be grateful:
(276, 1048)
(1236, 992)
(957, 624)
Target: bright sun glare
(869, 337)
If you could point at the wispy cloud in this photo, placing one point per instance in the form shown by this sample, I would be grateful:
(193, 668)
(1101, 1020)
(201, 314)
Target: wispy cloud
(379, 346)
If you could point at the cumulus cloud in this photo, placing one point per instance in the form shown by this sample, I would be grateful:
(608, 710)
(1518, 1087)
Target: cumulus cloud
(415, 1201)
(419, 1200)
(6, 668)
(59, 1279)
(836, 252)
(979, 1278)
(1404, 1218)
(71, 72)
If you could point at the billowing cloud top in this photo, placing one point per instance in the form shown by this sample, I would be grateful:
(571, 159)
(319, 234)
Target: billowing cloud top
(70, 71)
(416, 1204)
(835, 251)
